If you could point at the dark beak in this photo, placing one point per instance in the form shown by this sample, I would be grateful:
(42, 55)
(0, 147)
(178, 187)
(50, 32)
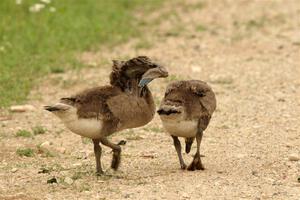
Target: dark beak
(167, 112)
(151, 74)
(51, 108)
(160, 111)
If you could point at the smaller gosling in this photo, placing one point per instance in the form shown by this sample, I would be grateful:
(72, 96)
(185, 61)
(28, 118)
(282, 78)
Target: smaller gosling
(185, 111)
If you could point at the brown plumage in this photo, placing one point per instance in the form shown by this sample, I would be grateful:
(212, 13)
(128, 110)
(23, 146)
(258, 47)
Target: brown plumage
(125, 103)
(185, 111)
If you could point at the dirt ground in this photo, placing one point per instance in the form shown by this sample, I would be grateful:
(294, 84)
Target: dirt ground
(248, 51)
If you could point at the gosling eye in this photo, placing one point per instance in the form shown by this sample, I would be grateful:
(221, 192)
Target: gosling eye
(200, 93)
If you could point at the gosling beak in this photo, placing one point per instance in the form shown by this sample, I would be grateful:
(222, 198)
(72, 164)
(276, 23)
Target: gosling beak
(168, 112)
(57, 107)
(51, 108)
(151, 74)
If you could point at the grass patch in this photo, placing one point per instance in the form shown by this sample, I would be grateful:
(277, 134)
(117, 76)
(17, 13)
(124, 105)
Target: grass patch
(28, 152)
(44, 152)
(23, 133)
(38, 130)
(201, 28)
(57, 70)
(34, 43)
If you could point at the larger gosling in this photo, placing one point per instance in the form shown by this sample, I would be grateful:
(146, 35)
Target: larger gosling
(101, 111)
(185, 111)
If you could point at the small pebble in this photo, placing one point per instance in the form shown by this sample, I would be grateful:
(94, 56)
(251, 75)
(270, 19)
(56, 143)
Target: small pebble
(77, 164)
(294, 157)
(196, 68)
(5, 118)
(13, 170)
(61, 149)
(240, 155)
(185, 196)
(45, 145)
(68, 180)
(22, 108)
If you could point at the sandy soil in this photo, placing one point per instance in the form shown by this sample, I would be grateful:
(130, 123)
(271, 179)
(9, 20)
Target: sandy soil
(248, 51)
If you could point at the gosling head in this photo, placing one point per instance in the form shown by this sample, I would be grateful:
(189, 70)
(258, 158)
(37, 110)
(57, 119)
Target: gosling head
(62, 110)
(187, 99)
(152, 71)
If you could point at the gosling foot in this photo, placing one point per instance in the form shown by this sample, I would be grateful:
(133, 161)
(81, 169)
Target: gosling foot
(196, 164)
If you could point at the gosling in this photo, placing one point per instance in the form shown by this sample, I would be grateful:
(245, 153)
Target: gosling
(126, 103)
(185, 111)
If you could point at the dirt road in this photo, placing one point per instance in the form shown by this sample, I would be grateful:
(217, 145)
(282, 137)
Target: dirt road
(248, 51)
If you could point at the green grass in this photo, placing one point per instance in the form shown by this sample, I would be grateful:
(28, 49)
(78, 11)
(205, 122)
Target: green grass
(23, 133)
(28, 152)
(57, 70)
(34, 44)
(44, 152)
(38, 130)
